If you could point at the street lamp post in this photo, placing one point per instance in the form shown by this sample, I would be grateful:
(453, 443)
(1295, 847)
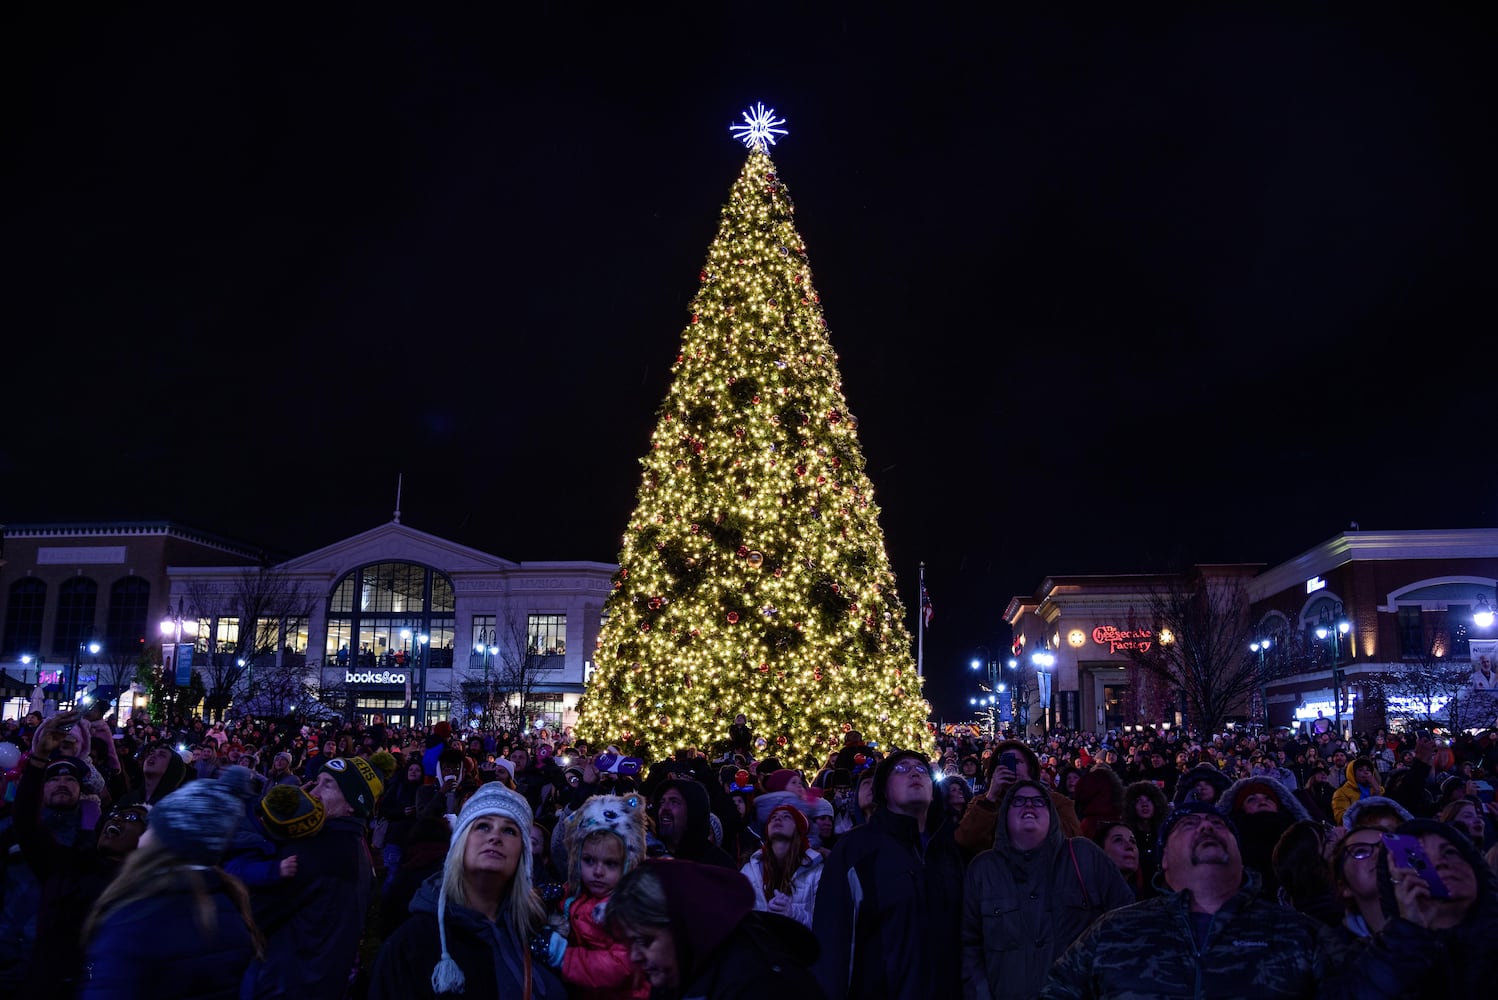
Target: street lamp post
(1261, 648)
(487, 650)
(421, 697)
(69, 691)
(1044, 660)
(1334, 625)
(993, 689)
(1019, 699)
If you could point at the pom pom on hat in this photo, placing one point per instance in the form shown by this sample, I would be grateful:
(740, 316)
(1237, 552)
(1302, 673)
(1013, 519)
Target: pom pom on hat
(384, 762)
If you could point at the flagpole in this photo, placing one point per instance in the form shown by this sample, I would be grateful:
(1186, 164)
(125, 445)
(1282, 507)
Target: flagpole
(920, 626)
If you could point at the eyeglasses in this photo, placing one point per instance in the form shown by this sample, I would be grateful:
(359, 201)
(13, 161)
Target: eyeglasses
(1361, 852)
(910, 766)
(1195, 820)
(129, 816)
(1027, 802)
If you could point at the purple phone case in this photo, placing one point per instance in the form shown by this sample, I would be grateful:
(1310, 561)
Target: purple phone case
(1407, 853)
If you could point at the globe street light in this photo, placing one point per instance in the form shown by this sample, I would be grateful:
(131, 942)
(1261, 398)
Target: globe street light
(70, 688)
(421, 657)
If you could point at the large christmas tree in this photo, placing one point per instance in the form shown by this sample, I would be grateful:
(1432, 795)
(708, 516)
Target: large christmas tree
(753, 576)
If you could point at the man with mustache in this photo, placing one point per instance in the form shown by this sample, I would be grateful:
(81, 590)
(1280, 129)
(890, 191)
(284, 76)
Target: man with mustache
(1212, 934)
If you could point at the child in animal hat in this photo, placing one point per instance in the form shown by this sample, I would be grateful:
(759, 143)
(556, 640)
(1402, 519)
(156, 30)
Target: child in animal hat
(605, 839)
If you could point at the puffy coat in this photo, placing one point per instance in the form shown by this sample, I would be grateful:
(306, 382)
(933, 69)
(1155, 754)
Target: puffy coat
(596, 965)
(803, 884)
(1350, 791)
(1253, 948)
(1021, 909)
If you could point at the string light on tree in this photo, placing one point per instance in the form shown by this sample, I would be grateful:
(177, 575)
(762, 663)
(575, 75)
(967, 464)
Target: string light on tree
(753, 575)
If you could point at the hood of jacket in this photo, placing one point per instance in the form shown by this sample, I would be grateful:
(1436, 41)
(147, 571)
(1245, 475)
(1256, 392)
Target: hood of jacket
(1053, 838)
(1228, 802)
(1099, 794)
(706, 903)
(1186, 783)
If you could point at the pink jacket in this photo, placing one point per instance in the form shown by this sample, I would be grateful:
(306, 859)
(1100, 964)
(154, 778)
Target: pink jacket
(595, 966)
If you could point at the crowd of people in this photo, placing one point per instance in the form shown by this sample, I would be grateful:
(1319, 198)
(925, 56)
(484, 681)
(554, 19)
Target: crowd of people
(284, 858)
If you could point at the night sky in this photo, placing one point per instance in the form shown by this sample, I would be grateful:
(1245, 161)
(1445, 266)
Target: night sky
(1112, 290)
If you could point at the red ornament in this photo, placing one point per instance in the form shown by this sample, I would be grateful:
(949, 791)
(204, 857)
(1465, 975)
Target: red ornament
(733, 617)
(743, 551)
(859, 760)
(764, 668)
(694, 317)
(655, 603)
(801, 469)
(644, 626)
(780, 740)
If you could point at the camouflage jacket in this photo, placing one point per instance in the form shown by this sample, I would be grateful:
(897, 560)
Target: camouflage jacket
(1253, 948)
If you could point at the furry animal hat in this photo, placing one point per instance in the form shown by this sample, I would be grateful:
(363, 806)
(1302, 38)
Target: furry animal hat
(621, 815)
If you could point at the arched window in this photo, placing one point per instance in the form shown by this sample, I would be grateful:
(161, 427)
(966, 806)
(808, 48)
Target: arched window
(125, 631)
(23, 618)
(77, 603)
(378, 614)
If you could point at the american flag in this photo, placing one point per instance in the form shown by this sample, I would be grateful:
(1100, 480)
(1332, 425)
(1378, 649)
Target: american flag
(926, 612)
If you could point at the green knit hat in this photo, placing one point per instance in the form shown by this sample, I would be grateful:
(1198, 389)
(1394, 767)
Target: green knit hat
(287, 813)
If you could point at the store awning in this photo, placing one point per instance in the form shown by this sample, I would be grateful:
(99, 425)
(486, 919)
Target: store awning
(10, 687)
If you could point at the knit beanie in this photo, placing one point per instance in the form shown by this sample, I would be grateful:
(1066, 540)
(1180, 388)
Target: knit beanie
(66, 767)
(776, 781)
(197, 821)
(803, 828)
(1188, 809)
(491, 799)
(287, 813)
(359, 782)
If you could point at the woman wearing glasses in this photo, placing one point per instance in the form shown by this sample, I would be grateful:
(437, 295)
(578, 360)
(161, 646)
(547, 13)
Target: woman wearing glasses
(1030, 896)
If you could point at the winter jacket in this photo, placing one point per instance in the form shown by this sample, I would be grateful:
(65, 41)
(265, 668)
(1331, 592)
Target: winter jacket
(492, 959)
(1146, 834)
(1252, 948)
(313, 922)
(1259, 832)
(1350, 791)
(888, 911)
(596, 965)
(725, 950)
(1405, 960)
(803, 885)
(1021, 909)
(154, 947)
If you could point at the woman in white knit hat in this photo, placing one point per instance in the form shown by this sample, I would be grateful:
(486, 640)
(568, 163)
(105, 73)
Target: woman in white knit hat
(471, 924)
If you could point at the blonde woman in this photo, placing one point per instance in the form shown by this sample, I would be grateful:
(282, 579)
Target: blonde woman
(470, 926)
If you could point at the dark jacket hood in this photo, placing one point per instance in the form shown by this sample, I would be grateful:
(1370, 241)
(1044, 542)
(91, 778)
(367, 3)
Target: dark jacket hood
(706, 903)
(1227, 801)
(699, 831)
(1053, 838)
(1186, 783)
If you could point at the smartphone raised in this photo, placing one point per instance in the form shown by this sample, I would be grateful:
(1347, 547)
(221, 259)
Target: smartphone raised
(1405, 851)
(1009, 759)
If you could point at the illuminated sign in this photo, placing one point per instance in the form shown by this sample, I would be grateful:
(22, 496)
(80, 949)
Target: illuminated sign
(1314, 584)
(373, 677)
(1117, 639)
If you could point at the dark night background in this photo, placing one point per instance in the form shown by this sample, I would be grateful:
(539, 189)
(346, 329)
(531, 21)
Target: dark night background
(1112, 289)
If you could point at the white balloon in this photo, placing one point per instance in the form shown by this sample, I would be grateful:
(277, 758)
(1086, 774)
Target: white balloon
(10, 755)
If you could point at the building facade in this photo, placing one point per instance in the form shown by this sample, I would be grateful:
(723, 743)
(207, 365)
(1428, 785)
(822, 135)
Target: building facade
(1365, 630)
(391, 623)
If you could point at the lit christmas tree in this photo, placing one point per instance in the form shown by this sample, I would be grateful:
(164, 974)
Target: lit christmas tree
(753, 576)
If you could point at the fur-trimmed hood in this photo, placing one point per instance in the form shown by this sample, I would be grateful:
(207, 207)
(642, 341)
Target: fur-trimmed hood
(1228, 804)
(1186, 783)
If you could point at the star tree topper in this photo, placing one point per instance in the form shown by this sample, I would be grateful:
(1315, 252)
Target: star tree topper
(758, 127)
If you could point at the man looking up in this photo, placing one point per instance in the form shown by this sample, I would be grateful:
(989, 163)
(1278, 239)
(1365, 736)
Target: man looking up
(1212, 934)
(889, 905)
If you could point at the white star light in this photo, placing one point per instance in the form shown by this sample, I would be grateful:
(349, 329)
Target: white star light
(759, 127)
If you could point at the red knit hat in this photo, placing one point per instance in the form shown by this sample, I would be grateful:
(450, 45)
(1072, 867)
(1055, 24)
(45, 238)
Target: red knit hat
(776, 781)
(802, 826)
